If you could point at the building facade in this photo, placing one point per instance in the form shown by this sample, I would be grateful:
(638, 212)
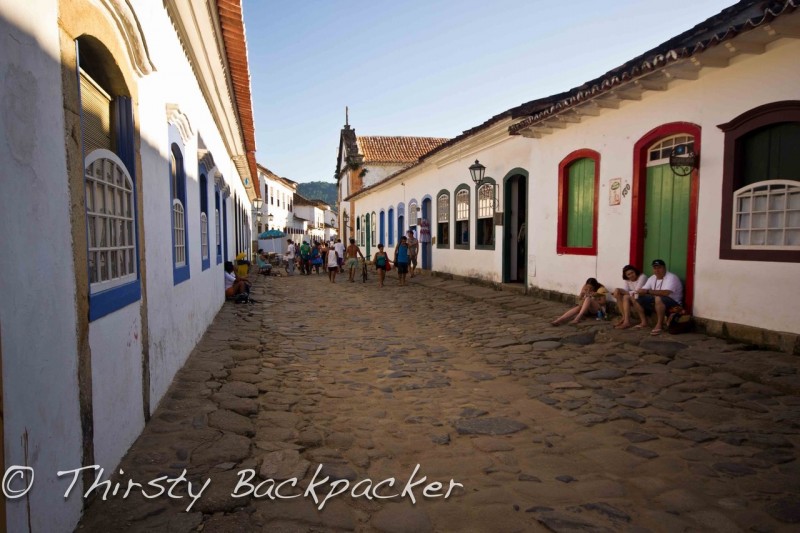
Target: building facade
(684, 153)
(130, 172)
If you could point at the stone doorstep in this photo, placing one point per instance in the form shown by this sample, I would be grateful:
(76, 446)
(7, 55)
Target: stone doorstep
(779, 341)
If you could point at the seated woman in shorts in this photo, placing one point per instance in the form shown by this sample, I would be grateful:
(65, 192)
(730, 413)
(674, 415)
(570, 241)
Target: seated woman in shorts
(590, 300)
(634, 280)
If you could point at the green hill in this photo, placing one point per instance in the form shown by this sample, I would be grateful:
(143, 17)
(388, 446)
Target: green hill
(319, 190)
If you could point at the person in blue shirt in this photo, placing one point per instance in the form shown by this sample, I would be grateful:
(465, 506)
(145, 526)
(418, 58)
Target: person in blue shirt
(401, 257)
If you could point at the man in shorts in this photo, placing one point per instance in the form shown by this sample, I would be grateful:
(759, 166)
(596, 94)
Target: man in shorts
(351, 256)
(413, 251)
(662, 291)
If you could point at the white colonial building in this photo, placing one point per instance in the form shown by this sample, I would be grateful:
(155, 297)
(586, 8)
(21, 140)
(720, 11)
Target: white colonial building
(687, 153)
(128, 150)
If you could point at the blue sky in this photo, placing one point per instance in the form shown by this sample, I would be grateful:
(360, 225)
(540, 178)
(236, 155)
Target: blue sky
(431, 68)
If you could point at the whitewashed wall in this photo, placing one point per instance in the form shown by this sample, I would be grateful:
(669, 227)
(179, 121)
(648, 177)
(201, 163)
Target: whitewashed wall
(376, 173)
(37, 283)
(762, 291)
(717, 97)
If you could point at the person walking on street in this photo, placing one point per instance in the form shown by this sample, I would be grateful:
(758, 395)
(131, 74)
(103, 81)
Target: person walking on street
(305, 254)
(413, 251)
(381, 261)
(291, 255)
(351, 256)
(332, 264)
(339, 247)
(401, 258)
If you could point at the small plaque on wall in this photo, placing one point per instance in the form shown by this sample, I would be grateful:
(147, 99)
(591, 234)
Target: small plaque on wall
(615, 191)
(498, 218)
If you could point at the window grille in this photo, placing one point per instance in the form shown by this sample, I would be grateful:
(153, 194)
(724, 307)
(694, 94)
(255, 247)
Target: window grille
(443, 208)
(462, 205)
(204, 235)
(110, 222)
(767, 216)
(485, 201)
(179, 233)
(659, 153)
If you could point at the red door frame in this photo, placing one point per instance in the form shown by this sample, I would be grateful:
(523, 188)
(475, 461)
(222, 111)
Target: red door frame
(638, 200)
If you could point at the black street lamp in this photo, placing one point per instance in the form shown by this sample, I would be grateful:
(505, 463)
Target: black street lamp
(477, 171)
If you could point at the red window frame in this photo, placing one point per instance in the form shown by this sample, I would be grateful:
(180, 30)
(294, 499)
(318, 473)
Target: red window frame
(563, 188)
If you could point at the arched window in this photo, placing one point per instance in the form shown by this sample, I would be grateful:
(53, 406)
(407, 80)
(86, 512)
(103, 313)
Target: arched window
(358, 230)
(373, 223)
(391, 227)
(107, 133)
(218, 225)
(110, 221)
(462, 217)
(443, 219)
(485, 206)
(363, 236)
(413, 215)
(180, 238)
(205, 253)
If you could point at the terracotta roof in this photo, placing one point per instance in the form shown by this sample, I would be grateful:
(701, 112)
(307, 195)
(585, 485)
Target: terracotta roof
(727, 24)
(396, 149)
(302, 200)
(270, 174)
(233, 35)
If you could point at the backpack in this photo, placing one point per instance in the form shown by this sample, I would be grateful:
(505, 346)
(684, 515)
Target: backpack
(679, 321)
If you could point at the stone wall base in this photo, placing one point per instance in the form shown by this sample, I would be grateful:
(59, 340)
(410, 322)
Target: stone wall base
(757, 337)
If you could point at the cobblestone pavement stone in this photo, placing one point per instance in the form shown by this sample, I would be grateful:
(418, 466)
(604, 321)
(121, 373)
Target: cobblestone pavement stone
(581, 428)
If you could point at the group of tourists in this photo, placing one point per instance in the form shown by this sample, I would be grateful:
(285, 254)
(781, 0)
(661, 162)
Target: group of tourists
(660, 293)
(405, 260)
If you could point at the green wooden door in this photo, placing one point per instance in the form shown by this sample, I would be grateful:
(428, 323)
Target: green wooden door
(580, 204)
(667, 219)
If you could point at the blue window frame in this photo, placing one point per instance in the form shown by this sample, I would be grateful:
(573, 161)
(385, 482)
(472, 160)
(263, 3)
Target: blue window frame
(180, 233)
(218, 224)
(107, 133)
(382, 228)
(391, 226)
(225, 227)
(205, 243)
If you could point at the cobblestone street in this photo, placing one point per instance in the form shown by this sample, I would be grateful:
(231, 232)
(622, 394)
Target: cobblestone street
(527, 427)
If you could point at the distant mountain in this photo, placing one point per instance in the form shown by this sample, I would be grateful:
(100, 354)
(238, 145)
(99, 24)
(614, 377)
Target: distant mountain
(319, 190)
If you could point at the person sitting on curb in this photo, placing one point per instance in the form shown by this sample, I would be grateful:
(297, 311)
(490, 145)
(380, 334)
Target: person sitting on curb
(591, 299)
(634, 280)
(234, 285)
(662, 291)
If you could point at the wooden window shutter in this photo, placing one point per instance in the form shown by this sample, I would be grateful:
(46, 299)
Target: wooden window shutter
(95, 115)
(580, 200)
